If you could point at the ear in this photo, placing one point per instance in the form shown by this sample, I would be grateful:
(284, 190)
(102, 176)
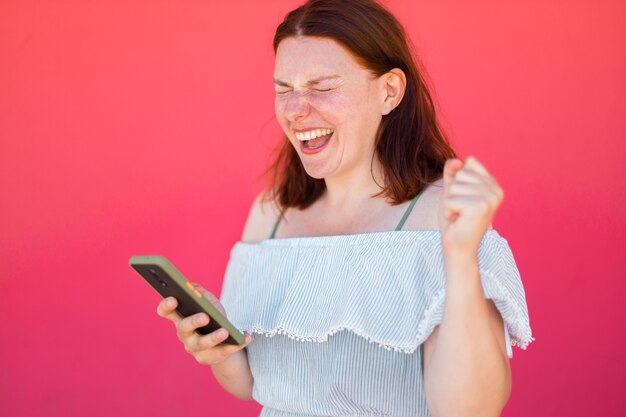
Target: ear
(393, 87)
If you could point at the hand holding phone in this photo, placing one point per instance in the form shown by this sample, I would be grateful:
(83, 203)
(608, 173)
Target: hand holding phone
(169, 282)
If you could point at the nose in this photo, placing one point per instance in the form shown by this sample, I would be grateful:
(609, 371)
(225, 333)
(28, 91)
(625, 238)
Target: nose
(297, 107)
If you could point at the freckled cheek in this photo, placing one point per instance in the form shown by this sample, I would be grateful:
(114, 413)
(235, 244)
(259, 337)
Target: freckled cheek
(332, 109)
(279, 111)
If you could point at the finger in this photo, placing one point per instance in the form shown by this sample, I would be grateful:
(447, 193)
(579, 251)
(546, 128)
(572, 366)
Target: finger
(473, 164)
(492, 196)
(466, 175)
(230, 349)
(467, 188)
(448, 212)
(211, 340)
(450, 169)
(187, 326)
(469, 205)
(214, 338)
(221, 352)
(167, 309)
(218, 354)
(451, 215)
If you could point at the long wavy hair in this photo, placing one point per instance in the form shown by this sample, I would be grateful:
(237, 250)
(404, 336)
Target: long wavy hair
(410, 143)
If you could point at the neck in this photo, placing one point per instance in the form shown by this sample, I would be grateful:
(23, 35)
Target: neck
(349, 190)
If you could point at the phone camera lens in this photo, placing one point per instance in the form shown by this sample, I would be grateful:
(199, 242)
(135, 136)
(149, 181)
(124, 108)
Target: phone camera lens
(158, 278)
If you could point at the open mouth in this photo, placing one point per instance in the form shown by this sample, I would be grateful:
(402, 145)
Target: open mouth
(314, 140)
(317, 142)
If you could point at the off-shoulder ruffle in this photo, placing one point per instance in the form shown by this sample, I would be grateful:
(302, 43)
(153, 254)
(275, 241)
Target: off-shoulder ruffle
(388, 287)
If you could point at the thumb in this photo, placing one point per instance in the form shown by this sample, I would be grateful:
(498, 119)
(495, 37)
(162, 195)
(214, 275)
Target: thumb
(450, 169)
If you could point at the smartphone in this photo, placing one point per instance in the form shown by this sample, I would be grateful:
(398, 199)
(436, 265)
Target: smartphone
(169, 282)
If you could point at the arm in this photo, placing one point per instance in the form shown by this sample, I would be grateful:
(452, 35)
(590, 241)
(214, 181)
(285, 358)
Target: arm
(234, 375)
(228, 363)
(466, 368)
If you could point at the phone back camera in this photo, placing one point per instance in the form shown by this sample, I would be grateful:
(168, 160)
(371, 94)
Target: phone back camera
(158, 278)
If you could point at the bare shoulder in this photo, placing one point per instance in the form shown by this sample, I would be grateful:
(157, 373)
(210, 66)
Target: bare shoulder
(426, 211)
(261, 219)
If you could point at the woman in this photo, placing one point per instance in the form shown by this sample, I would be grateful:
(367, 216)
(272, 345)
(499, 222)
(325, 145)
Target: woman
(367, 272)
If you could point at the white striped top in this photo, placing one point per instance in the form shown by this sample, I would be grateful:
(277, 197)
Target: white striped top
(341, 319)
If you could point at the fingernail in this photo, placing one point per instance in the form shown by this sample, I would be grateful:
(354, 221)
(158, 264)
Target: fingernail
(201, 319)
(169, 302)
(221, 333)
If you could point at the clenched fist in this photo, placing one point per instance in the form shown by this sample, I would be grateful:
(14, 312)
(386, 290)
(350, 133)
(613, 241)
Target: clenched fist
(471, 198)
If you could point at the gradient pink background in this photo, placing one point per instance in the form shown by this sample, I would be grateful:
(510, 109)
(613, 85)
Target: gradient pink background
(137, 127)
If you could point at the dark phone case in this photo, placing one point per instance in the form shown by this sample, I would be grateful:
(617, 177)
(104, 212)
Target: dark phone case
(169, 282)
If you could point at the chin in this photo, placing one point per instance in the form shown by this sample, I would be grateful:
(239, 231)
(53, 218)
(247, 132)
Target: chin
(313, 173)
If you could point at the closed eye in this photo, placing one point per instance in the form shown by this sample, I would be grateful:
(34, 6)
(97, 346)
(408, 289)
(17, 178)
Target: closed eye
(316, 90)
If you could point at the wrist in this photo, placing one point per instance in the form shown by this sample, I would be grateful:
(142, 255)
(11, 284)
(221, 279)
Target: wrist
(462, 273)
(459, 246)
(462, 256)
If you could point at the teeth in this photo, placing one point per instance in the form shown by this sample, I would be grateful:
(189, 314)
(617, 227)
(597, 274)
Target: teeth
(312, 134)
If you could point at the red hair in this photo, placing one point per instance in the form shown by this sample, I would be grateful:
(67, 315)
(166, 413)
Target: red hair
(410, 144)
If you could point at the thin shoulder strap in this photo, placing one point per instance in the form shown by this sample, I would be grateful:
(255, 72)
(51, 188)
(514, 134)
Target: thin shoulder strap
(408, 211)
(280, 216)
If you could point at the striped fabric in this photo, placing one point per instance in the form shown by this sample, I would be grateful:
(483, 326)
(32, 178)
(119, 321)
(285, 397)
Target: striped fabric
(340, 320)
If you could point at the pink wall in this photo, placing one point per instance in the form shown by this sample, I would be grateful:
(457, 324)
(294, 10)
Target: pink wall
(131, 127)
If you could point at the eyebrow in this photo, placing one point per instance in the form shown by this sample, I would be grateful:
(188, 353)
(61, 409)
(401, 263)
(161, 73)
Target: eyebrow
(310, 82)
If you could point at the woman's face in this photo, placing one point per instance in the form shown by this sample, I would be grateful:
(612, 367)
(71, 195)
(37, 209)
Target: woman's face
(327, 104)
